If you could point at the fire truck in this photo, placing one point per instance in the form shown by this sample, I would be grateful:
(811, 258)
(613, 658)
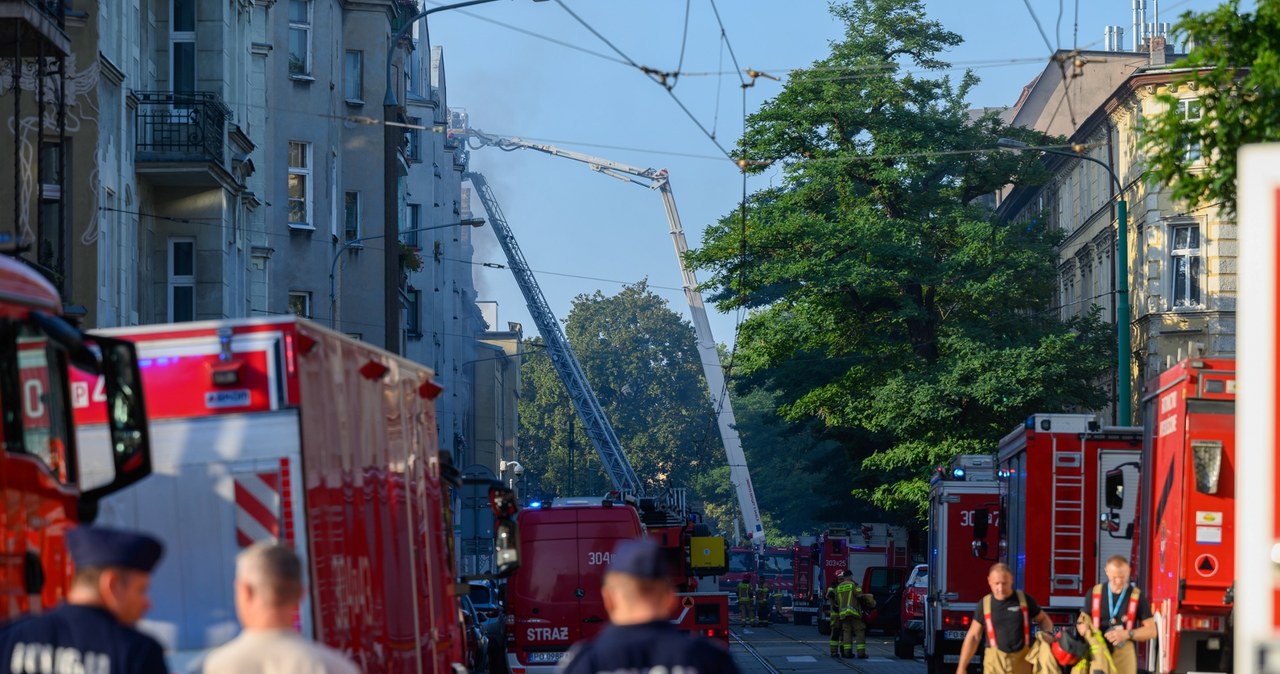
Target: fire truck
(872, 556)
(572, 541)
(1184, 557)
(964, 540)
(1065, 508)
(742, 562)
(50, 480)
(777, 567)
(1257, 533)
(803, 608)
(279, 429)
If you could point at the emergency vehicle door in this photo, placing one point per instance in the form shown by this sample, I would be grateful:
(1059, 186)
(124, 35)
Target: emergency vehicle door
(1118, 502)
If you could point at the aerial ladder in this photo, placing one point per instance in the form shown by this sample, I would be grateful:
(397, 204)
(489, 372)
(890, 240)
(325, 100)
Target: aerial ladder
(665, 515)
(659, 179)
(598, 428)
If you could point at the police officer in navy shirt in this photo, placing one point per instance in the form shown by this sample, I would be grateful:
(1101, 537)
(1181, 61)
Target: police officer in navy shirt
(640, 638)
(93, 632)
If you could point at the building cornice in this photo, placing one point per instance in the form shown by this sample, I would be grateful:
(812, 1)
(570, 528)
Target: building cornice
(109, 70)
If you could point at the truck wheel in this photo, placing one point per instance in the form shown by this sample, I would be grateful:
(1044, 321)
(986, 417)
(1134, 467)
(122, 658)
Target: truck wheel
(904, 647)
(824, 626)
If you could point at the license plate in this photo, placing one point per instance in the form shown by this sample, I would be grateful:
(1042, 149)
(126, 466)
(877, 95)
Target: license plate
(546, 657)
(954, 635)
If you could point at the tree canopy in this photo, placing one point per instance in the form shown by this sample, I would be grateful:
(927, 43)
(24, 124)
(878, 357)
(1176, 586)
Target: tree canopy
(1235, 70)
(641, 360)
(887, 308)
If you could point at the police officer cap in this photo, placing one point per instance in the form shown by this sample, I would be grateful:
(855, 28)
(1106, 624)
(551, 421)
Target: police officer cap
(101, 547)
(641, 558)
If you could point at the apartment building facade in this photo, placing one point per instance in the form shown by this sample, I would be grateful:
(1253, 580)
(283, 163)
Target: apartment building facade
(1182, 258)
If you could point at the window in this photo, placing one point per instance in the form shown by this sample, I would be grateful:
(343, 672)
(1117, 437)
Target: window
(50, 217)
(413, 322)
(300, 303)
(413, 221)
(1191, 111)
(354, 80)
(1185, 264)
(351, 202)
(182, 279)
(299, 184)
(300, 37)
(413, 139)
(182, 50)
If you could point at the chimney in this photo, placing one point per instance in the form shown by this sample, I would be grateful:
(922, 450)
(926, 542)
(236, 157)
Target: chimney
(1158, 56)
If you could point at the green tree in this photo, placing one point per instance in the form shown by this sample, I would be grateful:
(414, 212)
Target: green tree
(1235, 69)
(641, 360)
(886, 306)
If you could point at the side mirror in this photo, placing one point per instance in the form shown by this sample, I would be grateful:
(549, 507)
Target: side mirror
(506, 547)
(1113, 489)
(126, 417)
(980, 517)
(502, 500)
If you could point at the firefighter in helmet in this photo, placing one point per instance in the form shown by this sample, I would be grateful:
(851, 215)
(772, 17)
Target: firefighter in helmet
(848, 604)
(746, 601)
(764, 608)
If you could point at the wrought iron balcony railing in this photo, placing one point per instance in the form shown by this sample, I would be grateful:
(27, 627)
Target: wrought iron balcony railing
(181, 126)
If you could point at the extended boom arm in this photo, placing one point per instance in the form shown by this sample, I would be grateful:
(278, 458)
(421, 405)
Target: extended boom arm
(656, 179)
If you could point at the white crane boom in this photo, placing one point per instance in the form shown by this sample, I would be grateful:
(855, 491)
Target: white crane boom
(658, 179)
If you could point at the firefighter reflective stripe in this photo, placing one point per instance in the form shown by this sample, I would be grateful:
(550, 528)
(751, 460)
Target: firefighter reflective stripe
(991, 626)
(1130, 615)
(847, 600)
(744, 592)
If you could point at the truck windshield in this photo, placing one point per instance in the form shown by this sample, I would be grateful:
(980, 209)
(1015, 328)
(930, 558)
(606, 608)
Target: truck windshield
(740, 561)
(33, 380)
(775, 564)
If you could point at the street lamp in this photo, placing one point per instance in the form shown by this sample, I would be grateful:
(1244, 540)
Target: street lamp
(392, 136)
(347, 245)
(1124, 406)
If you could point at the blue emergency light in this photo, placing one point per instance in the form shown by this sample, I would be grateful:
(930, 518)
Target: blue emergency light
(957, 473)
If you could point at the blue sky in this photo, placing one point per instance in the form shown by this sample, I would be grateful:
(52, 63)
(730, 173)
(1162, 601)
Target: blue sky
(574, 223)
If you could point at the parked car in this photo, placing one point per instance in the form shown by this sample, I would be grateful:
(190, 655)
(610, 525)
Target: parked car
(477, 640)
(913, 596)
(488, 604)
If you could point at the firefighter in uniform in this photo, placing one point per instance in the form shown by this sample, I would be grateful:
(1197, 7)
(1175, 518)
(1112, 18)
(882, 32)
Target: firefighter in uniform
(764, 607)
(1002, 620)
(94, 630)
(847, 624)
(746, 601)
(1121, 613)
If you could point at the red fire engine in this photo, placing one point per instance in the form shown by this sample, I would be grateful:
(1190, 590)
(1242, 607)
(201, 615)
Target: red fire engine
(964, 525)
(1062, 474)
(47, 476)
(1185, 553)
(803, 608)
(280, 429)
(571, 541)
(873, 557)
(742, 562)
(777, 568)
(1257, 600)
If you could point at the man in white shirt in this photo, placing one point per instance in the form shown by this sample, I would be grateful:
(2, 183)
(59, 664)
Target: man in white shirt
(268, 590)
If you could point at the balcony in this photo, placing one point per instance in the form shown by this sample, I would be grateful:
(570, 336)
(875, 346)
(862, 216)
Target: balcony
(182, 137)
(30, 28)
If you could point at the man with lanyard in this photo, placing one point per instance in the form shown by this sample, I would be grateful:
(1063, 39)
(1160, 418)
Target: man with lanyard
(93, 632)
(1121, 613)
(1003, 621)
(746, 601)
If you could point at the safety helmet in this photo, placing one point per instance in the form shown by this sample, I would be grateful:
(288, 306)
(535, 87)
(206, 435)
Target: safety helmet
(1069, 648)
(842, 573)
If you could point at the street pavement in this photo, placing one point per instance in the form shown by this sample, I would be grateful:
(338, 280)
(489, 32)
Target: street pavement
(782, 649)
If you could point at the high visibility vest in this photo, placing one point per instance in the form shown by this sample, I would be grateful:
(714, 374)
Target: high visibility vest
(744, 592)
(1130, 615)
(762, 594)
(847, 600)
(991, 625)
